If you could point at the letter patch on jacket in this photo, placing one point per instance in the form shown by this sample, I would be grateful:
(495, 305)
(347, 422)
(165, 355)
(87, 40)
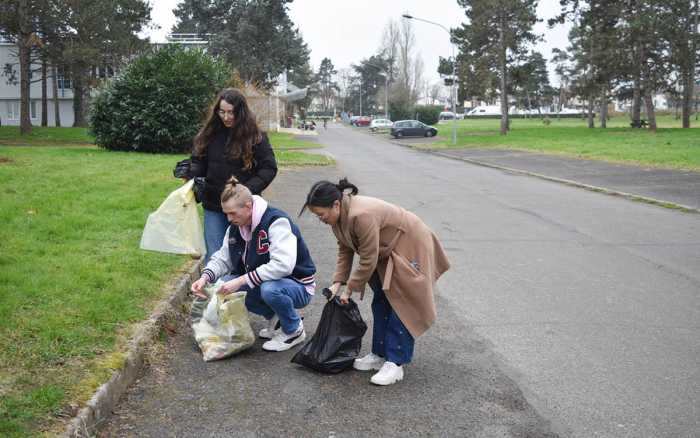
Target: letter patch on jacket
(263, 243)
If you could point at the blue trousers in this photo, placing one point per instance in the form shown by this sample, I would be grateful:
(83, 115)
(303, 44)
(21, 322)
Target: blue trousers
(215, 225)
(390, 339)
(281, 298)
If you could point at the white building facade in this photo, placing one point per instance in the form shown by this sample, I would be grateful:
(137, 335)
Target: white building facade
(10, 92)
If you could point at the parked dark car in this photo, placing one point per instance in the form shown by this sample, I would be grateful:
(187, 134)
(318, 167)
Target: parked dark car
(412, 128)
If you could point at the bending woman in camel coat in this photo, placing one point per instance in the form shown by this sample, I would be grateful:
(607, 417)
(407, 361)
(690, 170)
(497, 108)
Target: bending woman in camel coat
(400, 259)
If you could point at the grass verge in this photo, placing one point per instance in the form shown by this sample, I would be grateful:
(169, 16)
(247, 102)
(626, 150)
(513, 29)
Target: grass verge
(669, 147)
(73, 280)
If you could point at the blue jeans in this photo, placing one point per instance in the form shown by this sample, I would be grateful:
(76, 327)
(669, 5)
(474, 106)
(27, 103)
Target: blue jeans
(281, 298)
(390, 339)
(215, 225)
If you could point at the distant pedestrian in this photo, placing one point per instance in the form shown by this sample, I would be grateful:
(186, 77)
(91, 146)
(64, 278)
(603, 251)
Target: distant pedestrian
(400, 258)
(229, 144)
(265, 252)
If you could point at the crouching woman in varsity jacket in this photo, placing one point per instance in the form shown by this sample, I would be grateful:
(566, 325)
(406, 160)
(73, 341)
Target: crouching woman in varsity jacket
(265, 252)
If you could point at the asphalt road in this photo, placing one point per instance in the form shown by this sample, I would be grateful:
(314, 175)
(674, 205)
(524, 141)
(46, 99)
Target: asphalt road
(566, 313)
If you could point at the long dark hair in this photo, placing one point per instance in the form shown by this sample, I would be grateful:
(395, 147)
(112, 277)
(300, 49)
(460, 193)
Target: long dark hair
(325, 193)
(242, 136)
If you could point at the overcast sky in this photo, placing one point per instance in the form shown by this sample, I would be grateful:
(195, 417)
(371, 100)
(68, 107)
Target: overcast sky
(347, 31)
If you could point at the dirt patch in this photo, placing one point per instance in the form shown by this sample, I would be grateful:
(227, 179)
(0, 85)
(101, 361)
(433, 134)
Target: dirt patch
(5, 160)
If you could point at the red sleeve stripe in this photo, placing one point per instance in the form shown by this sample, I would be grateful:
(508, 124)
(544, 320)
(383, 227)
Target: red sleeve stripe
(254, 278)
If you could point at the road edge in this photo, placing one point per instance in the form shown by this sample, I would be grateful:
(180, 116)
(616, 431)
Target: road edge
(598, 189)
(103, 401)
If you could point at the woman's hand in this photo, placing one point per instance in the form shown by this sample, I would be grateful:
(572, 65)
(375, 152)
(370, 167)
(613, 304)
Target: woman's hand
(335, 288)
(345, 296)
(197, 287)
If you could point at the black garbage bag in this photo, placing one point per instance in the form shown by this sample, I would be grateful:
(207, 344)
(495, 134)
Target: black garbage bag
(182, 168)
(337, 340)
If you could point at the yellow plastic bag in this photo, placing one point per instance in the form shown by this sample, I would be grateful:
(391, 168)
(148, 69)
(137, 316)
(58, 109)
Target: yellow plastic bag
(175, 227)
(220, 324)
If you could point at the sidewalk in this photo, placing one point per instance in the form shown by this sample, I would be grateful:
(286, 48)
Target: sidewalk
(660, 186)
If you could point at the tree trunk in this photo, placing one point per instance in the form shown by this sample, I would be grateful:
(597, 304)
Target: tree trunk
(504, 89)
(636, 109)
(78, 98)
(591, 119)
(604, 108)
(56, 106)
(689, 73)
(44, 98)
(649, 106)
(24, 43)
(529, 103)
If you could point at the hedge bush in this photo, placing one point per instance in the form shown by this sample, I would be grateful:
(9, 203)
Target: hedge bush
(428, 114)
(400, 111)
(156, 104)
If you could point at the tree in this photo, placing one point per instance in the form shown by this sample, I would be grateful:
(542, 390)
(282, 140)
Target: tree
(18, 24)
(682, 31)
(531, 81)
(327, 87)
(564, 70)
(373, 72)
(344, 82)
(498, 31)
(302, 77)
(100, 34)
(255, 36)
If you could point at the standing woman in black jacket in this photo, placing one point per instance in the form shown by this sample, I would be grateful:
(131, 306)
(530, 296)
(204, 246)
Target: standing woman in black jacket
(229, 144)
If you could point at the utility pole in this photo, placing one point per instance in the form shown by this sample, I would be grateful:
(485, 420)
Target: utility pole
(454, 73)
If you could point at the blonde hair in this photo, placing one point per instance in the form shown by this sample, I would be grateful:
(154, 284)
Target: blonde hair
(237, 191)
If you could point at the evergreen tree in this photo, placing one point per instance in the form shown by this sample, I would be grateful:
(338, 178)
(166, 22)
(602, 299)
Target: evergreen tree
(256, 36)
(498, 31)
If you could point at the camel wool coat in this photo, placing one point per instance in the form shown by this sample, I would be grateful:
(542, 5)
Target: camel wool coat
(397, 244)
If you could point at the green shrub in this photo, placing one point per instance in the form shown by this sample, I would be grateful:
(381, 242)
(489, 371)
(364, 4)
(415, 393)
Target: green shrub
(400, 111)
(428, 114)
(157, 102)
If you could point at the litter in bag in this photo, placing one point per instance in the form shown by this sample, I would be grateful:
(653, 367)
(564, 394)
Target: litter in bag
(220, 324)
(337, 340)
(175, 227)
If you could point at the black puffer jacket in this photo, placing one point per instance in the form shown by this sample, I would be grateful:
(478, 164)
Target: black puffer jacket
(217, 167)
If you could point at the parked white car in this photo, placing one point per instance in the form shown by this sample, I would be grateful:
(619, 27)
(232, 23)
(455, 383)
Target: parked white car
(485, 110)
(377, 124)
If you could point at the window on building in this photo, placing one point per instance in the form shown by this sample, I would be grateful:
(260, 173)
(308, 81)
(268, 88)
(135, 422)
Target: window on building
(32, 109)
(63, 79)
(12, 110)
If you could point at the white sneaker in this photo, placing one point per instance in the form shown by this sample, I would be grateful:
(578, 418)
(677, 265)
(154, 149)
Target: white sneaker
(281, 341)
(273, 325)
(388, 375)
(369, 362)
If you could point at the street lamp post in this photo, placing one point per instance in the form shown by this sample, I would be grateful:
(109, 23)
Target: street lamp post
(454, 73)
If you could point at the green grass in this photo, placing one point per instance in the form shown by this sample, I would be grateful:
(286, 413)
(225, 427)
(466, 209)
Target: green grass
(73, 280)
(670, 146)
(282, 141)
(9, 136)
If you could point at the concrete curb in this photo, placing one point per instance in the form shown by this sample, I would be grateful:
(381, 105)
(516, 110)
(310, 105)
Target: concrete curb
(101, 404)
(611, 192)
